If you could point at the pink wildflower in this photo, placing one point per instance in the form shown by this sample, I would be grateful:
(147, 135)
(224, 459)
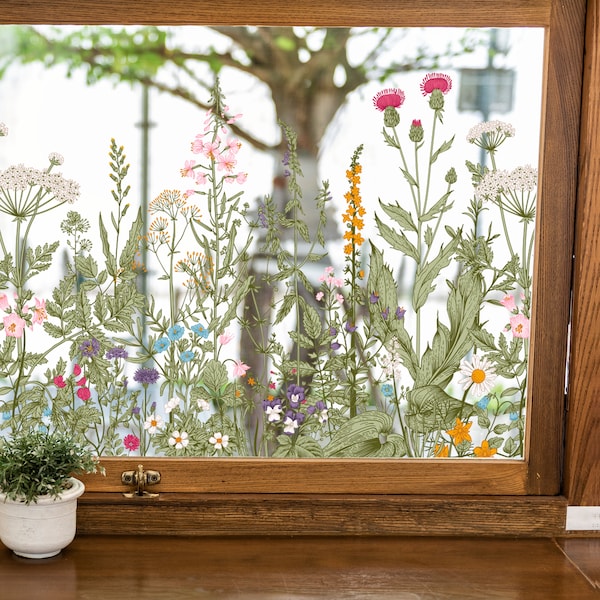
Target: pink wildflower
(225, 338)
(14, 325)
(3, 302)
(225, 161)
(436, 81)
(200, 178)
(131, 442)
(239, 369)
(84, 394)
(508, 302)
(188, 168)
(76, 370)
(520, 326)
(59, 382)
(39, 312)
(389, 97)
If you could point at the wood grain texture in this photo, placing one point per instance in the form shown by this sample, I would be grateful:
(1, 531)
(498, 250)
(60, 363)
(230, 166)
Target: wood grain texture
(582, 467)
(541, 473)
(349, 476)
(554, 245)
(394, 13)
(153, 568)
(320, 514)
(585, 556)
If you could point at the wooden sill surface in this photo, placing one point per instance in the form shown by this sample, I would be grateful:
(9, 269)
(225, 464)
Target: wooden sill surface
(227, 568)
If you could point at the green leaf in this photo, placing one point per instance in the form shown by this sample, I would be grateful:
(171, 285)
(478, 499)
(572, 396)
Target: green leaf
(440, 206)
(411, 180)
(302, 447)
(431, 409)
(214, 375)
(428, 272)
(443, 148)
(360, 434)
(396, 239)
(312, 322)
(399, 215)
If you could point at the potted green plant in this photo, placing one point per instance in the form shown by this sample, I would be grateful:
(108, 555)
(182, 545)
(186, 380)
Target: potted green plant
(38, 492)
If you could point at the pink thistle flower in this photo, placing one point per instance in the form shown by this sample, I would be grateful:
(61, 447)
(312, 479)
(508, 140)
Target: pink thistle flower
(59, 382)
(520, 326)
(388, 97)
(508, 302)
(83, 393)
(14, 325)
(240, 368)
(131, 442)
(436, 81)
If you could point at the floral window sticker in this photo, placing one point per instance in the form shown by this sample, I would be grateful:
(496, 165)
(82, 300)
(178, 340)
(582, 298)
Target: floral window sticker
(355, 365)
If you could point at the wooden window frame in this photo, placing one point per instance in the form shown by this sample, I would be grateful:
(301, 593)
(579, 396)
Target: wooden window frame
(265, 496)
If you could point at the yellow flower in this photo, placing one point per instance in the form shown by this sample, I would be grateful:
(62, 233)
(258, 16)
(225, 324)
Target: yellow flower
(484, 450)
(441, 451)
(460, 433)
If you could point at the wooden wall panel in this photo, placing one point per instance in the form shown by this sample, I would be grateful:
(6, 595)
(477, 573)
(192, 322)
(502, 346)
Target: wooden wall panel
(582, 466)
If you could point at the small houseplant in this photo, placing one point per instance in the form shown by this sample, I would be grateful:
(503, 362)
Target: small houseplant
(38, 493)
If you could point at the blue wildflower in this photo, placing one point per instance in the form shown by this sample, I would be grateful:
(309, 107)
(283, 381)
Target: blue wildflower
(483, 403)
(175, 332)
(161, 344)
(200, 330)
(186, 356)
(387, 390)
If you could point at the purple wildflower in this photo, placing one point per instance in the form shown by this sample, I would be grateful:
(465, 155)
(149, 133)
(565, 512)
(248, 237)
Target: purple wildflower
(350, 328)
(295, 394)
(374, 298)
(117, 352)
(400, 312)
(145, 375)
(89, 348)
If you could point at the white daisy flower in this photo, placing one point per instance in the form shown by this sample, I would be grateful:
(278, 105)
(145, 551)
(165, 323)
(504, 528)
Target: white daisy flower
(478, 375)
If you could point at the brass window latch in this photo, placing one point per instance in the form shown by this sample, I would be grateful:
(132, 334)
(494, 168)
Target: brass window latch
(140, 479)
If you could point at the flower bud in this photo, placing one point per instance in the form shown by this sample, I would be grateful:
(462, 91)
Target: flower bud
(391, 118)
(416, 131)
(436, 100)
(451, 176)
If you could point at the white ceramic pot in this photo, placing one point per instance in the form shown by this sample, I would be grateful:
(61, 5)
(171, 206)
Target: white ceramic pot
(40, 529)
